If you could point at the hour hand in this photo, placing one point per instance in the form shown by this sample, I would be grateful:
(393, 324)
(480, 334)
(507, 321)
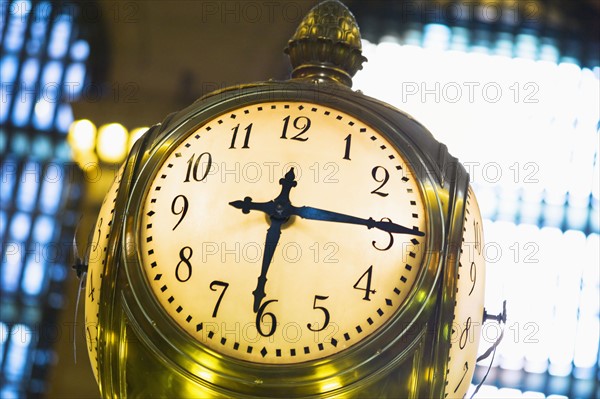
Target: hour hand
(247, 205)
(307, 212)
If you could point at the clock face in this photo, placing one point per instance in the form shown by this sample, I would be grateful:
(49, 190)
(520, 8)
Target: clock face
(96, 267)
(468, 311)
(282, 232)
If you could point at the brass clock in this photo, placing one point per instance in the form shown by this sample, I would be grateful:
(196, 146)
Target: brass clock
(289, 239)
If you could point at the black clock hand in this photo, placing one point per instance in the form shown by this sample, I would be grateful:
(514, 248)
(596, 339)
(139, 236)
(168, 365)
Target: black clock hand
(278, 212)
(307, 212)
(273, 234)
(281, 207)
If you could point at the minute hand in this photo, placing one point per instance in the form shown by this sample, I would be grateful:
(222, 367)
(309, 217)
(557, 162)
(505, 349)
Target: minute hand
(307, 212)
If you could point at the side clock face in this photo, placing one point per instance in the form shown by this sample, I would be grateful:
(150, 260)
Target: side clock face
(96, 266)
(282, 232)
(468, 310)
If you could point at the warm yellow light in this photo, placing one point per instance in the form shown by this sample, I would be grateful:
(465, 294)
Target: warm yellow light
(330, 385)
(82, 136)
(136, 134)
(112, 143)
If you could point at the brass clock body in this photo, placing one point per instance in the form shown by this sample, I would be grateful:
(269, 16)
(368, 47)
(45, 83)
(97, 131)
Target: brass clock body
(289, 239)
(158, 338)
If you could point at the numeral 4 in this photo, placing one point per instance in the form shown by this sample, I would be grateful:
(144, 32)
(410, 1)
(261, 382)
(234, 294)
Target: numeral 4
(366, 286)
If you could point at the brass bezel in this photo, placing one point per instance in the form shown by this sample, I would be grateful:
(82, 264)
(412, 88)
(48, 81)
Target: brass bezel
(367, 360)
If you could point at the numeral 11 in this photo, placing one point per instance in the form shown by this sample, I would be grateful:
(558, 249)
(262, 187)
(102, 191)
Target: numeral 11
(246, 138)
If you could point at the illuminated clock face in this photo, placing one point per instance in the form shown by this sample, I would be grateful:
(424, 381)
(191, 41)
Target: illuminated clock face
(96, 268)
(282, 232)
(466, 327)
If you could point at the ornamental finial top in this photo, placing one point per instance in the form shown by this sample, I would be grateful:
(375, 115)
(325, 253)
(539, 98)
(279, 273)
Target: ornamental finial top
(326, 45)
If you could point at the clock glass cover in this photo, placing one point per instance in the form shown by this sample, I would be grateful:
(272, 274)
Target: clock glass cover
(282, 232)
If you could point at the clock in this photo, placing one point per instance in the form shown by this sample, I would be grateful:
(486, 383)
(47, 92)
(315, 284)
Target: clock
(98, 253)
(249, 202)
(289, 239)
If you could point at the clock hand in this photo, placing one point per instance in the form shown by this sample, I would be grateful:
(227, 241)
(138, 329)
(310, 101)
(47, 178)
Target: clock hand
(279, 207)
(273, 234)
(307, 212)
(282, 208)
(278, 212)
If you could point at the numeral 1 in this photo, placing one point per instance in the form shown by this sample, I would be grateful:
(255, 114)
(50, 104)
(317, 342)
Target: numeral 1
(348, 141)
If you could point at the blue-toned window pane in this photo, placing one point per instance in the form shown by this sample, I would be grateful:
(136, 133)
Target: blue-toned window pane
(19, 143)
(17, 355)
(19, 226)
(44, 114)
(10, 392)
(10, 272)
(28, 186)
(33, 276)
(74, 80)
(52, 76)
(7, 181)
(59, 38)
(17, 24)
(52, 189)
(80, 50)
(64, 118)
(3, 339)
(3, 140)
(38, 37)
(8, 70)
(43, 230)
(22, 108)
(3, 224)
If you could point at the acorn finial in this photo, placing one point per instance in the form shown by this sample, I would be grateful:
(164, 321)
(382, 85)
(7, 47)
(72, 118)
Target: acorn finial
(326, 45)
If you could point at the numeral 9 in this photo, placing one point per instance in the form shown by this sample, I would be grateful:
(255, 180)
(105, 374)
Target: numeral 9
(182, 211)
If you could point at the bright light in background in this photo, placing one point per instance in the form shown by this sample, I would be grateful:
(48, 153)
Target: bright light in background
(112, 143)
(82, 136)
(527, 132)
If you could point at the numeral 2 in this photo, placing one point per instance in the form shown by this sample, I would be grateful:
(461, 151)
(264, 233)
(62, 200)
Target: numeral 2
(383, 181)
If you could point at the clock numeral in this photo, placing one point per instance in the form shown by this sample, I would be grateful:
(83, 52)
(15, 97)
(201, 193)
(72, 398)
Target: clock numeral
(90, 339)
(348, 141)
(184, 260)
(182, 211)
(367, 289)
(473, 276)
(261, 314)
(478, 234)
(383, 181)
(246, 138)
(465, 368)
(301, 123)
(95, 245)
(391, 238)
(464, 335)
(222, 284)
(324, 310)
(193, 166)
(91, 288)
